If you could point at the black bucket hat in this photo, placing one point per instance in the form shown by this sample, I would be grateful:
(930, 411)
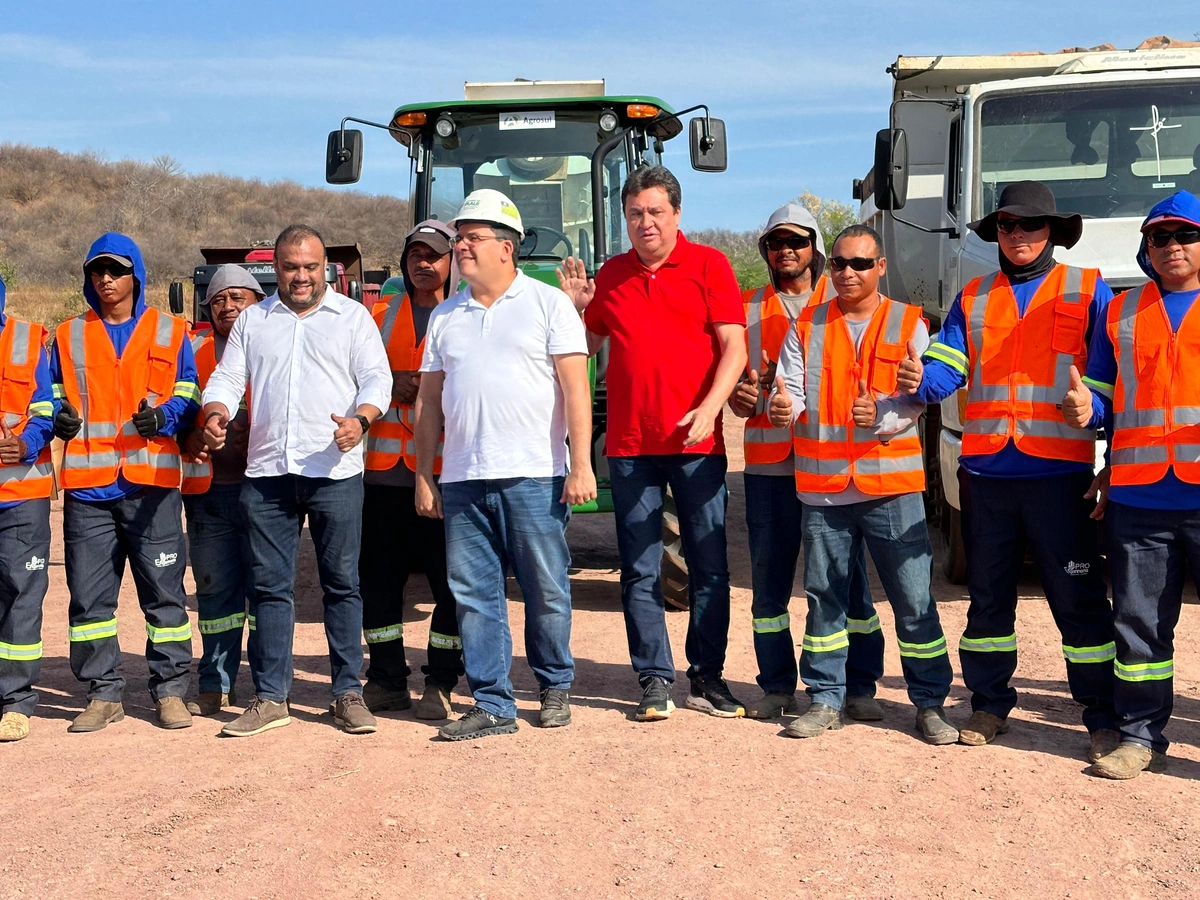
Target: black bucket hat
(1032, 199)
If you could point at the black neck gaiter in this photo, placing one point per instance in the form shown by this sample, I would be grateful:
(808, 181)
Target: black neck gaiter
(1031, 270)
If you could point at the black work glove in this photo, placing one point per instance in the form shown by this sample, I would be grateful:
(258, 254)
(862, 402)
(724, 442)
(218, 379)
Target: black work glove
(149, 420)
(67, 423)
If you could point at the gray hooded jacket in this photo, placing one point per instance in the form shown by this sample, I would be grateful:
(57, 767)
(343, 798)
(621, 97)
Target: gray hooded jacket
(795, 214)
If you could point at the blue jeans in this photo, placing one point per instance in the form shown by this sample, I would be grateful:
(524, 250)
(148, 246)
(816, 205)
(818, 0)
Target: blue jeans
(773, 520)
(275, 509)
(1147, 552)
(893, 528)
(490, 525)
(220, 557)
(698, 485)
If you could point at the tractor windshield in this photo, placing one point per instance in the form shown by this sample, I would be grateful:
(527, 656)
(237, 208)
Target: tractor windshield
(543, 161)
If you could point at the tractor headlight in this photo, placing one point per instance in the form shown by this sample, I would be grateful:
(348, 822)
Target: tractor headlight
(444, 126)
(608, 121)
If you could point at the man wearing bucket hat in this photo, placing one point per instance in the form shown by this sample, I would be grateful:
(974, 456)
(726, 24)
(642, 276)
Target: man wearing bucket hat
(216, 525)
(396, 541)
(1141, 382)
(1018, 338)
(792, 247)
(505, 369)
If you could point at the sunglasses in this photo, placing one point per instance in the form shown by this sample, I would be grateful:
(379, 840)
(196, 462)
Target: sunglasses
(1160, 239)
(857, 263)
(792, 242)
(1029, 225)
(115, 269)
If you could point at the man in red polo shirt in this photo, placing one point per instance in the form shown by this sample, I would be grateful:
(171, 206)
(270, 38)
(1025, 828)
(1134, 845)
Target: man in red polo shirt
(672, 312)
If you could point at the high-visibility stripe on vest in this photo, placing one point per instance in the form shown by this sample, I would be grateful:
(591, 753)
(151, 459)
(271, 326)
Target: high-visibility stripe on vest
(107, 391)
(20, 349)
(1156, 398)
(1020, 366)
(767, 324)
(392, 436)
(197, 476)
(830, 450)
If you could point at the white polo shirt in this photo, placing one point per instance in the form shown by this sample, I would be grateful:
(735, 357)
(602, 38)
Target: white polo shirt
(505, 416)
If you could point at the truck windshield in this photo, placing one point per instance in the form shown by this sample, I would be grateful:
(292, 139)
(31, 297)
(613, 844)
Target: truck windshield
(544, 163)
(1105, 152)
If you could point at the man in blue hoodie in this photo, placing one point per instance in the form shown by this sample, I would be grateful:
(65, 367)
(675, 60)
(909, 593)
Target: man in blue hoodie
(1141, 383)
(127, 381)
(27, 409)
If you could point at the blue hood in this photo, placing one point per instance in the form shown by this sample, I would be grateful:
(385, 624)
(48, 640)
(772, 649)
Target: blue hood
(121, 246)
(1180, 205)
(2, 301)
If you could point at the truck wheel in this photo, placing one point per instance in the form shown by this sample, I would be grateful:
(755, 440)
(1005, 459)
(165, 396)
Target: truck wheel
(954, 567)
(673, 574)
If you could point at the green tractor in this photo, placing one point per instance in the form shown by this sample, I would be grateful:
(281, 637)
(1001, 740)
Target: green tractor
(561, 151)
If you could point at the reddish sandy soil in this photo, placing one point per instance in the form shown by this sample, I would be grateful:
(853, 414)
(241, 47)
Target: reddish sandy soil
(693, 807)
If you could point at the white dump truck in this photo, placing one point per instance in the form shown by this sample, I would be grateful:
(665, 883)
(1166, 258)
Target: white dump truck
(1111, 132)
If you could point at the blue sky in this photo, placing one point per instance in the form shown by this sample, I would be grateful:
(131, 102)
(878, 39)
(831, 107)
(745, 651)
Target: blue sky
(251, 89)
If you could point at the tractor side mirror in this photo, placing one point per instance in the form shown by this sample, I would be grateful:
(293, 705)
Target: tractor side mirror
(175, 298)
(891, 169)
(343, 156)
(355, 291)
(710, 152)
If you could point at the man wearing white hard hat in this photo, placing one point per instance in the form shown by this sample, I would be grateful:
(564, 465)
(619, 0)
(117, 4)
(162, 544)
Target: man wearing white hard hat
(505, 372)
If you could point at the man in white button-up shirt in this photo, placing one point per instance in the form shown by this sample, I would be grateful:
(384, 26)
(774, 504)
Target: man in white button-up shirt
(317, 375)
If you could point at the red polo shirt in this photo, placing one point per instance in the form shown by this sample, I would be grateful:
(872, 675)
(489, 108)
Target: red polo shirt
(663, 348)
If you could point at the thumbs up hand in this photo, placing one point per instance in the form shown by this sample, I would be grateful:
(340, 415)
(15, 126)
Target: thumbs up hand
(863, 412)
(68, 422)
(779, 410)
(745, 396)
(149, 420)
(12, 448)
(1077, 402)
(908, 379)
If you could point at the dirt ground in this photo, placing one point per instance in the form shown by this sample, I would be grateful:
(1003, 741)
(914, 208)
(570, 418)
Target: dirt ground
(694, 807)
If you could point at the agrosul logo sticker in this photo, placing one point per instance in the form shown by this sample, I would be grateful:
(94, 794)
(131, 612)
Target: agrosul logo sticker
(520, 121)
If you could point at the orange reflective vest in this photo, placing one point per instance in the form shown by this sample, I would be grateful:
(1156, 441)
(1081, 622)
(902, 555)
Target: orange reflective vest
(1156, 400)
(197, 476)
(107, 390)
(830, 450)
(392, 435)
(767, 323)
(1021, 365)
(20, 348)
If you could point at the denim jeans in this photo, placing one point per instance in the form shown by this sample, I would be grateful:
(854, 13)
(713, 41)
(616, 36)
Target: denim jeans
(220, 557)
(1147, 552)
(773, 520)
(697, 483)
(275, 509)
(1050, 514)
(893, 528)
(24, 557)
(490, 525)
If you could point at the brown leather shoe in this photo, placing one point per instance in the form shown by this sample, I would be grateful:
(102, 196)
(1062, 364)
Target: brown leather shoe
(172, 713)
(379, 698)
(771, 706)
(98, 715)
(863, 708)
(981, 729)
(1103, 742)
(14, 726)
(434, 704)
(1128, 761)
(350, 711)
(819, 718)
(260, 715)
(208, 703)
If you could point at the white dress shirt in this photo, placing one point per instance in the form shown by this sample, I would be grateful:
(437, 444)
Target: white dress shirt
(301, 370)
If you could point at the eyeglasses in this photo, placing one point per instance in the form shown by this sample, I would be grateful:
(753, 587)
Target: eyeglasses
(115, 269)
(1029, 224)
(472, 239)
(1161, 239)
(857, 263)
(792, 242)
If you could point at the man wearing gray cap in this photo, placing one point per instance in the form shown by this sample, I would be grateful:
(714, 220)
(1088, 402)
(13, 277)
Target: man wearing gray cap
(216, 525)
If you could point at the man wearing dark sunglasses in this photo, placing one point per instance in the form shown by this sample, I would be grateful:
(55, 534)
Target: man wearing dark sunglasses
(860, 475)
(1014, 336)
(794, 251)
(1141, 383)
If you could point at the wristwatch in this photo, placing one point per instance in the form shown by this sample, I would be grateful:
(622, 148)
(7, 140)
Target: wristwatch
(365, 422)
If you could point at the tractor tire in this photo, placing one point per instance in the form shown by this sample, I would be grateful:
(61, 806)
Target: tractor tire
(673, 573)
(954, 566)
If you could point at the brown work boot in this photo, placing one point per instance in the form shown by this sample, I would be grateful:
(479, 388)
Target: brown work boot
(819, 718)
(172, 713)
(1128, 761)
(350, 711)
(434, 703)
(935, 728)
(379, 698)
(1103, 742)
(981, 729)
(208, 703)
(14, 726)
(98, 715)
(863, 708)
(771, 706)
(261, 715)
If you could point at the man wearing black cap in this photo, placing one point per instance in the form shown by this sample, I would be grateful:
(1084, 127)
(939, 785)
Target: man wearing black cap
(1019, 338)
(396, 541)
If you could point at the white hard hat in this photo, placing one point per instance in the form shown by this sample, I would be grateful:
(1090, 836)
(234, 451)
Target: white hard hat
(487, 205)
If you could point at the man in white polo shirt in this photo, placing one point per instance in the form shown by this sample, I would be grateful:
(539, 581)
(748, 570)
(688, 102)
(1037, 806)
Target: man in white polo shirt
(505, 369)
